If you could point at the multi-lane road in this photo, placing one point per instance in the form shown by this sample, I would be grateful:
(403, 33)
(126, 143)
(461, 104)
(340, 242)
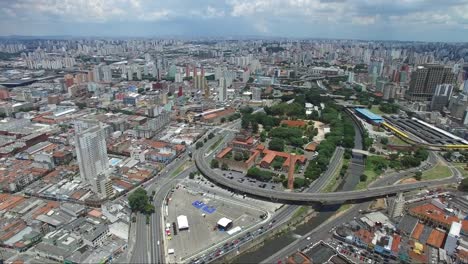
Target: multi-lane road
(322, 231)
(148, 243)
(294, 197)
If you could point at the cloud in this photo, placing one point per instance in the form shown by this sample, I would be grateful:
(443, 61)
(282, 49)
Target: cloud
(312, 18)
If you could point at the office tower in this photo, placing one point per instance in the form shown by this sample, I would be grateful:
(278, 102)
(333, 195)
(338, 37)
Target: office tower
(91, 152)
(441, 97)
(425, 79)
(222, 90)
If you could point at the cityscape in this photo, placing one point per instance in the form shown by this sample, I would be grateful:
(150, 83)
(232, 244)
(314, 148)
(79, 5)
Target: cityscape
(233, 144)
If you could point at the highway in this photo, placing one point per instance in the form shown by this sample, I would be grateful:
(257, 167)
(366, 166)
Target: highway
(321, 232)
(323, 180)
(294, 197)
(146, 248)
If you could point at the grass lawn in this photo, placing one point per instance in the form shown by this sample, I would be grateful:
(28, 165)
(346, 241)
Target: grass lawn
(371, 176)
(461, 167)
(344, 207)
(331, 184)
(375, 109)
(300, 211)
(440, 171)
(369, 172)
(396, 141)
(216, 144)
(181, 168)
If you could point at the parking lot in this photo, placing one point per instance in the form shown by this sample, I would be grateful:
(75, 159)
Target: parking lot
(240, 177)
(203, 212)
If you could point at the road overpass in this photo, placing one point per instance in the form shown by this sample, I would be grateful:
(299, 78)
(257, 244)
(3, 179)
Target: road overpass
(296, 197)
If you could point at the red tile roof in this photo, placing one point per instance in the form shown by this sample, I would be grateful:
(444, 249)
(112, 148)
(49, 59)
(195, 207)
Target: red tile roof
(417, 231)
(436, 238)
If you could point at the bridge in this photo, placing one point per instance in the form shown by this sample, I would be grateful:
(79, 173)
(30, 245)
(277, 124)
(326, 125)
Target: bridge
(296, 197)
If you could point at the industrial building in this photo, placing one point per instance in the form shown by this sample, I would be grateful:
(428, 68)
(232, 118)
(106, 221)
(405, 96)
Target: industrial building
(368, 116)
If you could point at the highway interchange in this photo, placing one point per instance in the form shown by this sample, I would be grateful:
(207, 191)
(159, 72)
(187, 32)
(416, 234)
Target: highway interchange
(148, 245)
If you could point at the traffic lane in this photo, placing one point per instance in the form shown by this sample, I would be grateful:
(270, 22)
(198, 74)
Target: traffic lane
(140, 250)
(311, 197)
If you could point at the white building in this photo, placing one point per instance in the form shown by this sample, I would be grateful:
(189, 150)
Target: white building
(91, 152)
(452, 238)
(222, 90)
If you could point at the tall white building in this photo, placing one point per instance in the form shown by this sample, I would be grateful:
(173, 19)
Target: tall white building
(91, 152)
(222, 90)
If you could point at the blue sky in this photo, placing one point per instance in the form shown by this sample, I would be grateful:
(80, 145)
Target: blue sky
(426, 20)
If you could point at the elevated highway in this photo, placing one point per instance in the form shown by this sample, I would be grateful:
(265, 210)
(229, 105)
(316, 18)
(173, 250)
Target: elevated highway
(296, 197)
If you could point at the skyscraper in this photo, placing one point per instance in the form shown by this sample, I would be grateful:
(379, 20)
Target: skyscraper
(107, 74)
(222, 90)
(441, 96)
(91, 152)
(425, 79)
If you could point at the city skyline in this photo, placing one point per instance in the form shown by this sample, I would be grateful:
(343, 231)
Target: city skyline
(377, 20)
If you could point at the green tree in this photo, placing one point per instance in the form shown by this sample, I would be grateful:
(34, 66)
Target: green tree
(214, 163)
(238, 156)
(211, 135)
(464, 185)
(198, 145)
(276, 144)
(224, 166)
(384, 141)
(139, 202)
(418, 175)
(363, 177)
(192, 175)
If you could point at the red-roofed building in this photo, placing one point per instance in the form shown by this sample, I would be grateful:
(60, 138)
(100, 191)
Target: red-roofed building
(396, 244)
(417, 231)
(436, 238)
(434, 215)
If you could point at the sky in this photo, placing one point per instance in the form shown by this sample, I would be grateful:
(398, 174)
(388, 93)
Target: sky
(419, 20)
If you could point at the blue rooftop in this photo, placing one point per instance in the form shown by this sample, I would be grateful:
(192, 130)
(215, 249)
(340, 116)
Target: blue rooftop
(368, 114)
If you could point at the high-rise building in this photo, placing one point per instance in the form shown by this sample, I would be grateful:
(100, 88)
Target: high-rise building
(106, 74)
(425, 80)
(91, 152)
(441, 97)
(222, 90)
(96, 74)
